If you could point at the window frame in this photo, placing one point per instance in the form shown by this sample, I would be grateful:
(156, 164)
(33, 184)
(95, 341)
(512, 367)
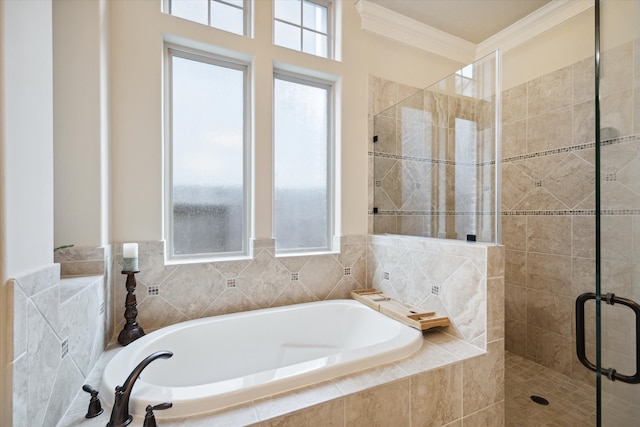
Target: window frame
(181, 51)
(332, 203)
(247, 16)
(329, 5)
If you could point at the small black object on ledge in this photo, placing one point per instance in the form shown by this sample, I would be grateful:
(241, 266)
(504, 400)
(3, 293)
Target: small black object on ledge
(471, 237)
(131, 330)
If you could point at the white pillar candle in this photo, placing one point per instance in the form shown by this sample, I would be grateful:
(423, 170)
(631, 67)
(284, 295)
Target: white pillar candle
(130, 250)
(130, 257)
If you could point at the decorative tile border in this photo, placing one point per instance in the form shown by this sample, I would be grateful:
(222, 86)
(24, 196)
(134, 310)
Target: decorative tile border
(428, 213)
(578, 212)
(428, 160)
(589, 145)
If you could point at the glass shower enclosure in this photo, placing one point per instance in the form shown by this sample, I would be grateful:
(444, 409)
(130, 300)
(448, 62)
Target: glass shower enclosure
(435, 158)
(608, 319)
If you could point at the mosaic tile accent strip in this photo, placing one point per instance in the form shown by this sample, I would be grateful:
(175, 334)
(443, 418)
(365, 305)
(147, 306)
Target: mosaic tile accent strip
(589, 145)
(411, 213)
(64, 350)
(569, 212)
(429, 160)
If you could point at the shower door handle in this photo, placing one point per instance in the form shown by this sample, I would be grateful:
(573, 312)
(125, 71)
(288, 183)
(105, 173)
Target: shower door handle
(610, 299)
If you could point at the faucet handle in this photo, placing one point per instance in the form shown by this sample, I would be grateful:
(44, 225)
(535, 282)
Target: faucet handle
(150, 418)
(95, 408)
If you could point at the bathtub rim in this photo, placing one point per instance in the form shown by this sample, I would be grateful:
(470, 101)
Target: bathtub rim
(145, 393)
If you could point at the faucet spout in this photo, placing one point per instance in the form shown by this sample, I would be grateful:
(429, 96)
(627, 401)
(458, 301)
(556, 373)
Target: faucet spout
(120, 415)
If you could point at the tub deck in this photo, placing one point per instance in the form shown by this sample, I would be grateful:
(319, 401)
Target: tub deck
(438, 350)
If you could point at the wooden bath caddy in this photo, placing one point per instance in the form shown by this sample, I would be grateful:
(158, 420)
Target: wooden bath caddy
(405, 313)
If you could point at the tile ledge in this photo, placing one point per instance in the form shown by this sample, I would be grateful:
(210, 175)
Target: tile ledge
(73, 285)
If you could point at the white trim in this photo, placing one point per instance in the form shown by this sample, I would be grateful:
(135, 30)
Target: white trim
(387, 23)
(552, 14)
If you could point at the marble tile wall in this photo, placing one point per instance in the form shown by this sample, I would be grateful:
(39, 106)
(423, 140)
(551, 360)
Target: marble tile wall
(425, 179)
(463, 281)
(548, 202)
(168, 294)
(59, 334)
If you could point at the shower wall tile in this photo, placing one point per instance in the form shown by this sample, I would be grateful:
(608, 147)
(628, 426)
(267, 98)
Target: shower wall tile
(514, 104)
(583, 273)
(514, 229)
(514, 138)
(572, 181)
(549, 312)
(549, 234)
(549, 349)
(616, 69)
(516, 337)
(382, 94)
(583, 236)
(616, 111)
(413, 138)
(549, 92)
(495, 309)
(549, 273)
(583, 73)
(583, 120)
(515, 303)
(436, 107)
(548, 201)
(549, 130)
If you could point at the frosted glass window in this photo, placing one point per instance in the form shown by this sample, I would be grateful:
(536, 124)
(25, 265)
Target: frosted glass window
(302, 152)
(228, 15)
(303, 25)
(207, 156)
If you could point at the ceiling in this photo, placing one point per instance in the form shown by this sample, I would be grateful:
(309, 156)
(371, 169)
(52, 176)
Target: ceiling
(471, 20)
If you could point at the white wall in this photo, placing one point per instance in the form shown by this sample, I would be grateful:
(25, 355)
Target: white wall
(81, 123)
(570, 42)
(137, 29)
(26, 156)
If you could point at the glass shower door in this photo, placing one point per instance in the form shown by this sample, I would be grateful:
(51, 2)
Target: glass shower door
(612, 316)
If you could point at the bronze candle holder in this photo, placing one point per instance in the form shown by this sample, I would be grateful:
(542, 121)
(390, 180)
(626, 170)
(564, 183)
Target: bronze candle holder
(131, 330)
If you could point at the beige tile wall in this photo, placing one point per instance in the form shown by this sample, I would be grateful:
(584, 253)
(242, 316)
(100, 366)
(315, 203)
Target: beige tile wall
(456, 279)
(418, 166)
(548, 202)
(168, 294)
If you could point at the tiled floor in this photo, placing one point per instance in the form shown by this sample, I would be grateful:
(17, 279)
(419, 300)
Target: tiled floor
(571, 403)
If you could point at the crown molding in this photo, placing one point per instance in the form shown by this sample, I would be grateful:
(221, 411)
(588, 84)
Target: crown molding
(387, 23)
(550, 15)
(395, 26)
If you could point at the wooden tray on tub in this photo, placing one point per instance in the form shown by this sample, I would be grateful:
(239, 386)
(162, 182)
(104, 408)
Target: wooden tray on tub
(405, 313)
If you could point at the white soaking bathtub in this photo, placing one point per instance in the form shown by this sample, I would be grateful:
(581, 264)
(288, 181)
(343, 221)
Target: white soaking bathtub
(234, 358)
